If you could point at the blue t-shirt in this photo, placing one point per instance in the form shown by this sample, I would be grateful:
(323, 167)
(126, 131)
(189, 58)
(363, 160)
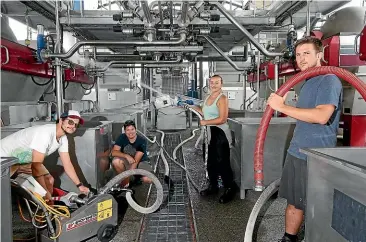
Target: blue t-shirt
(319, 90)
(140, 144)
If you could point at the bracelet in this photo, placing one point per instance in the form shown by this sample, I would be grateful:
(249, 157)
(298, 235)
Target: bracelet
(79, 185)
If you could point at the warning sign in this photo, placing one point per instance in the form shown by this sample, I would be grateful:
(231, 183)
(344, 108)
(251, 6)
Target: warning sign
(104, 210)
(104, 205)
(104, 214)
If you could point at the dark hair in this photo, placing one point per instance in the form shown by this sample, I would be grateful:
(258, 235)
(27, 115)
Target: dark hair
(317, 43)
(217, 76)
(129, 123)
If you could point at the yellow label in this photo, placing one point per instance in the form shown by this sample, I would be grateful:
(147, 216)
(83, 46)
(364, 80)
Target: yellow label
(104, 205)
(107, 213)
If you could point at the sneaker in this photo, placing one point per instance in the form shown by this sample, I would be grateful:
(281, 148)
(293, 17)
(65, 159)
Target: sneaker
(211, 190)
(285, 239)
(229, 195)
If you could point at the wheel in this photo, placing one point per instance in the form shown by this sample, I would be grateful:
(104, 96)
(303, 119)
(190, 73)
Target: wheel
(106, 232)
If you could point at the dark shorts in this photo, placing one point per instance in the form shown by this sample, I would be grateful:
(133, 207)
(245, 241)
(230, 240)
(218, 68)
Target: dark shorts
(293, 182)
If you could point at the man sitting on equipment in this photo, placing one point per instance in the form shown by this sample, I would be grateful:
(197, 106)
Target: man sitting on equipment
(129, 152)
(31, 146)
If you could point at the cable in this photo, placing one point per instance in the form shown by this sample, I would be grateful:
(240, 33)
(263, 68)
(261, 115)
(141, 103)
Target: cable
(55, 211)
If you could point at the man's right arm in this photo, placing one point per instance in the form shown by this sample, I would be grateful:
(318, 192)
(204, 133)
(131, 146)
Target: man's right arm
(116, 152)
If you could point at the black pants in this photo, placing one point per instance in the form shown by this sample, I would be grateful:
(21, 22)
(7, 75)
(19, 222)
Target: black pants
(218, 162)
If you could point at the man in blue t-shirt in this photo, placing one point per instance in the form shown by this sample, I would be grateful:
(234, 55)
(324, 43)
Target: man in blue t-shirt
(129, 152)
(317, 112)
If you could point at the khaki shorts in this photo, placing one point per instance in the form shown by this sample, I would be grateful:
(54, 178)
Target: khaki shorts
(27, 169)
(144, 165)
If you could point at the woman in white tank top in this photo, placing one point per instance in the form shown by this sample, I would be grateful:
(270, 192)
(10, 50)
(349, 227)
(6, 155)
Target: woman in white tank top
(215, 111)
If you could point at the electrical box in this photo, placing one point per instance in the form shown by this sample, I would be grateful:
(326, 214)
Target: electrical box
(231, 95)
(112, 96)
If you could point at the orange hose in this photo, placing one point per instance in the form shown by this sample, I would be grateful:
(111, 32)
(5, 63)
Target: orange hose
(263, 127)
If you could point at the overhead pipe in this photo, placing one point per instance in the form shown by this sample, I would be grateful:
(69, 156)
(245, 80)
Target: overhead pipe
(111, 63)
(195, 10)
(246, 32)
(343, 74)
(145, 8)
(213, 44)
(184, 14)
(76, 46)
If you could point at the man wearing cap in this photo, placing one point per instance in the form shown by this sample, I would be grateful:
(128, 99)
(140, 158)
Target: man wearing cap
(31, 146)
(129, 151)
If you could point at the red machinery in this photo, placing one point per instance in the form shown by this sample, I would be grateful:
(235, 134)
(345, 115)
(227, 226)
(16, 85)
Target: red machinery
(363, 44)
(22, 59)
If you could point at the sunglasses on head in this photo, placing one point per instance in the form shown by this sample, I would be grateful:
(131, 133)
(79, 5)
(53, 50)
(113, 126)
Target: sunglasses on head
(71, 122)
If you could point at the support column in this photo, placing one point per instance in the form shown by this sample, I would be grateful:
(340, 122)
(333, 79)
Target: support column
(201, 79)
(244, 77)
(59, 86)
(276, 84)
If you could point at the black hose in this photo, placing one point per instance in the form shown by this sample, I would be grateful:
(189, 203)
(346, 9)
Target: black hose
(46, 83)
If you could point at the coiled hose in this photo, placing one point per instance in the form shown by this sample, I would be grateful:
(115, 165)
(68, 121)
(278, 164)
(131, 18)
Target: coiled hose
(263, 127)
(167, 179)
(159, 189)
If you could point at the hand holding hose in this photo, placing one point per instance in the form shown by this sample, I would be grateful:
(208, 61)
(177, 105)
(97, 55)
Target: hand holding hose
(84, 190)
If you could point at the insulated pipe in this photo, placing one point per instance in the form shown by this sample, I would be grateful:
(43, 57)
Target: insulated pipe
(263, 127)
(76, 46)
(212, 43)
(245, 32)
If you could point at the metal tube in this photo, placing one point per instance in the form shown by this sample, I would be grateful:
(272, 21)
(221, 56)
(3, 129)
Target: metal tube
(246, 32)
(212, 43)
(77, 45)
(136, 62)
(151, 83)
(184, 16)
(201, 79)
(145, 8)
(308, 24)
(276, 84)
(244, 88)
(58, 73)
(161, 15)
(258, 76)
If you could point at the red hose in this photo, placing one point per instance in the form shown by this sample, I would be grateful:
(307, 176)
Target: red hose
(263, 127)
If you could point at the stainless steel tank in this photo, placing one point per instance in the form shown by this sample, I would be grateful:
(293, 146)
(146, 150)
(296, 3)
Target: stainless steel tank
(350, 20)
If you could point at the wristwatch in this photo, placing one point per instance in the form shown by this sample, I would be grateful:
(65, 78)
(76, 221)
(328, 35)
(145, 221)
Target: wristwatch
(79, 185)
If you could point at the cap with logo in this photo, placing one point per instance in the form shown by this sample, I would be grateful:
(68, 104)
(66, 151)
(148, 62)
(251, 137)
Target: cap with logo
(73, 114)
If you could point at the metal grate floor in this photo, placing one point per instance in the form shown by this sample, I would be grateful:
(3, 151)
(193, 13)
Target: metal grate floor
(175, 221)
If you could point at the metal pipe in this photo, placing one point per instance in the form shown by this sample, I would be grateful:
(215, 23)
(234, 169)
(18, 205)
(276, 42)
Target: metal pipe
(184, 13)
(77, 45)
(201, 78)
(246, 32)
(258, 76)
(146, 9)
(212, 43)
(276, 83)
(160, 14)
(135, 62)
(151, 83)
(245, 75)
(308, 19)
(59, 89)
(171, 14)
(195, 10)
